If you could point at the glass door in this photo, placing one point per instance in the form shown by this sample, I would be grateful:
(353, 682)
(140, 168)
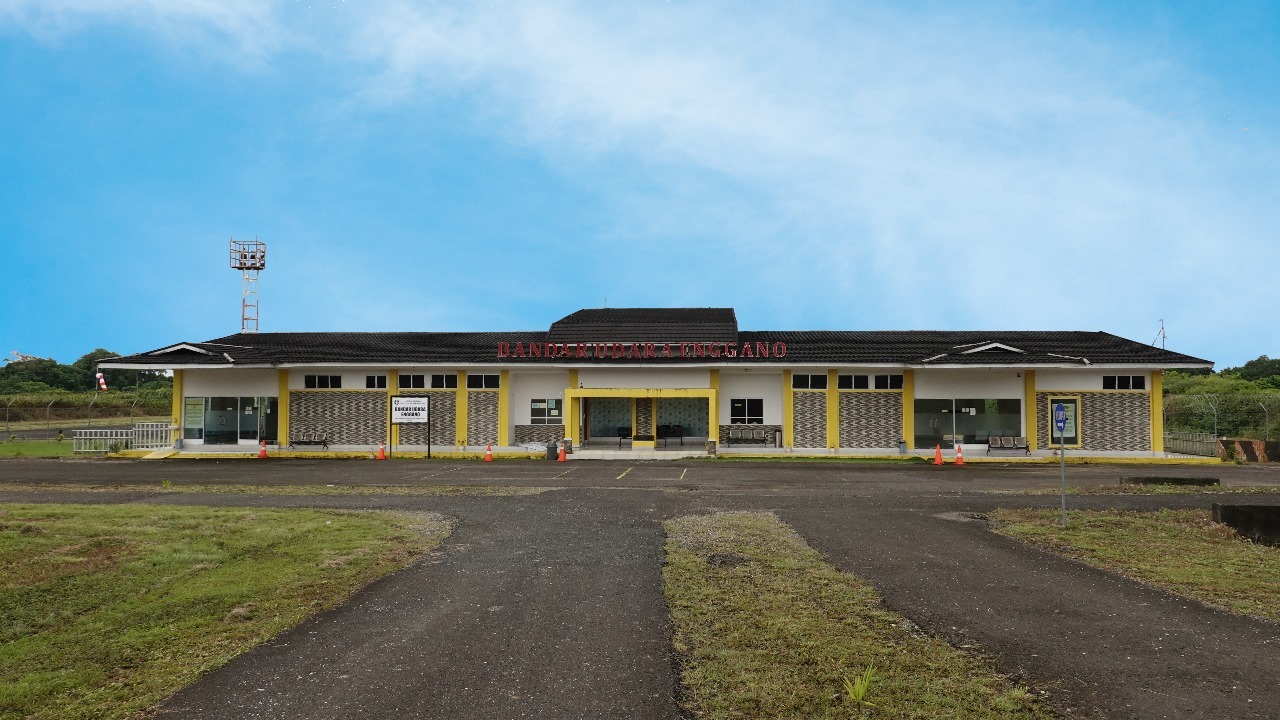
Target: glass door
(221, 421)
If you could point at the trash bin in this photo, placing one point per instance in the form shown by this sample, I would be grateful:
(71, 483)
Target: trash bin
(711, 447)
(902, 447)
(568, 446)
(552, 451)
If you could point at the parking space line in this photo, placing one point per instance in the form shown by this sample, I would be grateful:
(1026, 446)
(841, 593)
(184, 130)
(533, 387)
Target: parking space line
(566, 472)
(624, 472)
(682, 472)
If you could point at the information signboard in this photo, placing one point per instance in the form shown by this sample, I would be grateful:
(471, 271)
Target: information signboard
(410, 409)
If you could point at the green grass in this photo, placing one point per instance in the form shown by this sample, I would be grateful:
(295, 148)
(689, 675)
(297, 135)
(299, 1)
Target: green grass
(1181, 551)
(35, 448)
(105, 610)
(320, 490)
(1140, 489)
(766, 628)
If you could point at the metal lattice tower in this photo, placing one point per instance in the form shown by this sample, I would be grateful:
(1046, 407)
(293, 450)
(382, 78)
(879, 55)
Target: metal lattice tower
(249, 257)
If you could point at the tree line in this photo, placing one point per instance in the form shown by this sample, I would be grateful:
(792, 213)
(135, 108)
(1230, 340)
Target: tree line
(1256, 377)
(28, 374)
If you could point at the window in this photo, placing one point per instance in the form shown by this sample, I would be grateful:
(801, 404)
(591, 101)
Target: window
(1124, 382)
(439, 381)
(863, 382)
(375, 382)
(322, 382)
(809, 382)
(546, 412)
(888, 382)
(746, 411)
(482, 382)
(969, 420)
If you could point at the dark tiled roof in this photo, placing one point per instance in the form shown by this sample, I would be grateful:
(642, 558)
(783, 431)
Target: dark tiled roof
(967, 347)
(646, 325)
(673, 327)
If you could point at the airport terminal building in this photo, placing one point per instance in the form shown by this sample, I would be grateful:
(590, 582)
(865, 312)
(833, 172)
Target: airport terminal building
(643, 378)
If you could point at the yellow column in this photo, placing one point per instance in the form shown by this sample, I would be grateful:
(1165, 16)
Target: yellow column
(177, 404)
(1030, 409)
(393, 389)
(634, 430)
(460, 409)
(909, 408)
(572, 409)
(833, 411)
(713, 407)
(282, 408)
(504, 409)
(1157, 411)
(788, 411)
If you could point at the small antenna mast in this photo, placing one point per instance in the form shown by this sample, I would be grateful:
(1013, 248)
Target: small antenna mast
(1161, 336)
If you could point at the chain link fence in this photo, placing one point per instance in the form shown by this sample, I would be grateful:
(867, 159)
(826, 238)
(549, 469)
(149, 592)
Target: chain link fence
(26, 419)
(1255, 417)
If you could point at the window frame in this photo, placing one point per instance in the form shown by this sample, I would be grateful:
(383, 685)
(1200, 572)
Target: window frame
(547, 418)
(746, 417)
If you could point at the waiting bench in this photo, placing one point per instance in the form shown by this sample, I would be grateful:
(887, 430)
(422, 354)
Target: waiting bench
(748, 436)
(313, 438)
(1015, 444)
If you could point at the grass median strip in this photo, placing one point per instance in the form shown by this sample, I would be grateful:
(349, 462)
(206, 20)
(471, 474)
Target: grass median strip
(324, 490)
(1136, 489)
(1182, 551)
(105, 610)
(767, 628)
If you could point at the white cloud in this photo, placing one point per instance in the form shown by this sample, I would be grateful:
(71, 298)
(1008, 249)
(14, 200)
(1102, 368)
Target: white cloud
(962, 162)
(251, 28)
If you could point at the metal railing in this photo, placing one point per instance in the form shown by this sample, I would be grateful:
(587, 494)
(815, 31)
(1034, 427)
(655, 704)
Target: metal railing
(1191, 443)
(101, 441)
(143, 436)
(152, 436)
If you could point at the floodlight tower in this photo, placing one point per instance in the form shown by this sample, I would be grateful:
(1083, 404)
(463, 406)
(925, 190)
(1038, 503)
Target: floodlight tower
(249, 257)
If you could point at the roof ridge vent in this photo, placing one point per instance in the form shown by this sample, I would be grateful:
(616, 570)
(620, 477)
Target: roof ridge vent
(985, 346)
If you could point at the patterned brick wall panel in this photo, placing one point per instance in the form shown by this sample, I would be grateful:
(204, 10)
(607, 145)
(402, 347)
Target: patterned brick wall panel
(482, 418)
(870, 420)
(539, 434)
(771, 433)
(1110, 421)
(348, 418)
(644, 416)
(444, 421)
(810, 418)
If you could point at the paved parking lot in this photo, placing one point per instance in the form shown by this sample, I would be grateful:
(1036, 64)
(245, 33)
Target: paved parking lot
(550, 605)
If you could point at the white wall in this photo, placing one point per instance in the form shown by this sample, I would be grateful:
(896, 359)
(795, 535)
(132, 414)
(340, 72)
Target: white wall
(752, 385)
(525, 386)
(352, 378)
(1082, 380)
(232, 383)
(644, 378)
(986, 384)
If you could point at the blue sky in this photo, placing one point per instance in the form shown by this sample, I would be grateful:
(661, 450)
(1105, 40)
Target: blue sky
(497, 165)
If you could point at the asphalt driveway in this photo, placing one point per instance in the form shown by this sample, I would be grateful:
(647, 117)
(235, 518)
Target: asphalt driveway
(551, 605)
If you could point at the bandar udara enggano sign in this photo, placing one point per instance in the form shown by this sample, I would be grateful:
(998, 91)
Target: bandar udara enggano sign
(641, 350)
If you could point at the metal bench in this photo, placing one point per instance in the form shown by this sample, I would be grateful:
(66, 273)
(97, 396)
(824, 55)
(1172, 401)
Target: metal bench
(313, 438)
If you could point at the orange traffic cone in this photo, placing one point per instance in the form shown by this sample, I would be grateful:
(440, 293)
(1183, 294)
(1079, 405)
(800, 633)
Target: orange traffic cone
(382, 451)
(561, 457)
(959, 454)
(937, 455)
(488, 452)
(262, 449)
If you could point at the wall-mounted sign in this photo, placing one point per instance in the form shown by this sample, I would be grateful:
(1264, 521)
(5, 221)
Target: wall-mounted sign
(642, 350)
(410, 409)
